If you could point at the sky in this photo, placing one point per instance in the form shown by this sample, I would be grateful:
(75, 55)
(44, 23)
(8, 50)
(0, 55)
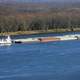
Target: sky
(46, 0)
(39, 0)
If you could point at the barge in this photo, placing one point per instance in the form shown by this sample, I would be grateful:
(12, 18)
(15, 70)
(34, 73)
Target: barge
(48, 39)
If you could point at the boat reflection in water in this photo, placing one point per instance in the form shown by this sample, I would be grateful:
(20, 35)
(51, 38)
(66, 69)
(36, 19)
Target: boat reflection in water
(6, 42)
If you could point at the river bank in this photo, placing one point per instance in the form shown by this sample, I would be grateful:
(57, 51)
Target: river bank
(38, 32)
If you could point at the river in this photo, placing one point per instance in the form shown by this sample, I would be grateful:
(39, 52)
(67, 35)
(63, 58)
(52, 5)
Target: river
(41, 61)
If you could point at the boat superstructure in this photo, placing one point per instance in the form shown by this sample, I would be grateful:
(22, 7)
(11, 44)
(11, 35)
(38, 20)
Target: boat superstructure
(6, 41)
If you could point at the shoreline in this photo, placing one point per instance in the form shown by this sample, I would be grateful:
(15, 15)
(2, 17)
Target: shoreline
(37, 32)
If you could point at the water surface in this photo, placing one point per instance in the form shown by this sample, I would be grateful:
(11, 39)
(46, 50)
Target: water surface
(41, 61)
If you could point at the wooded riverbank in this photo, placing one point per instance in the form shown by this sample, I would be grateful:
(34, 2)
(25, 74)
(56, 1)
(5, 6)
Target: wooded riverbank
(16, 20)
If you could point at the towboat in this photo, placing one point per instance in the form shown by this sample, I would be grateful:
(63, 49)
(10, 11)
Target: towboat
(5, 42)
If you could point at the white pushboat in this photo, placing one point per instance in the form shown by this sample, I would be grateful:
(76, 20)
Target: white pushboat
(5, 42)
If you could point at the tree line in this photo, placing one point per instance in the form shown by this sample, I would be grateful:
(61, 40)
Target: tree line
(44, 22)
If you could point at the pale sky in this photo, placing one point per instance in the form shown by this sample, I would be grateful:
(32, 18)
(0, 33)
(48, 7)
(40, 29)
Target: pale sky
(40, 0)
(46, 0)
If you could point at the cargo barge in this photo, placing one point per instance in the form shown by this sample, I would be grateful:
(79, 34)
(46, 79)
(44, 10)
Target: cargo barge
(48, 39)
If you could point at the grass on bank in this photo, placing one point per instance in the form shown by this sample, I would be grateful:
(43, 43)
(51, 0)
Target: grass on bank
(39, 31)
